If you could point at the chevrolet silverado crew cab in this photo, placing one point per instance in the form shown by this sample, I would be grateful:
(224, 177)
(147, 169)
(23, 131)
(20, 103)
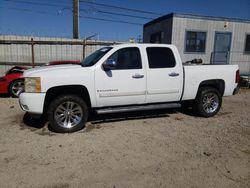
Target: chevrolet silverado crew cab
(122, 78)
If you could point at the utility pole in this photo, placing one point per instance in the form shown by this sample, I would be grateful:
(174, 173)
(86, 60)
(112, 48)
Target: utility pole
(75, 19)
(32, 53)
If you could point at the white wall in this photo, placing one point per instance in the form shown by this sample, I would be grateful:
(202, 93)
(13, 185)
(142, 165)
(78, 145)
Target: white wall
(239, 30)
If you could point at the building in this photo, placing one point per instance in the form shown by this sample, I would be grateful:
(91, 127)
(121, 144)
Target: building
(215, 40)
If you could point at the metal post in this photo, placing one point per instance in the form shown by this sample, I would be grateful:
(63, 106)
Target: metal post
(248, 81)
(32, 53)
(84, 49)
(75, 19)
(85, 44)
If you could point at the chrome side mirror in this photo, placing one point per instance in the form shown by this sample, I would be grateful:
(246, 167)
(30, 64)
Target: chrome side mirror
(109, 64)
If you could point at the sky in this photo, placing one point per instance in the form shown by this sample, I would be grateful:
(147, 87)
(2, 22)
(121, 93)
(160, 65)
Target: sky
(49, 18)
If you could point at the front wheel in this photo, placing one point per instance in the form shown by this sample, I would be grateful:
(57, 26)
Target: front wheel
(207, 102)
(67, 114)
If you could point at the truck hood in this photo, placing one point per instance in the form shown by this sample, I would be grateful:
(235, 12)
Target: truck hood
(61, 75)
(48, 69)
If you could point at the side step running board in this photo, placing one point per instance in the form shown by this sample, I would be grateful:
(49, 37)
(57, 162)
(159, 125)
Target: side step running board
(137, 108)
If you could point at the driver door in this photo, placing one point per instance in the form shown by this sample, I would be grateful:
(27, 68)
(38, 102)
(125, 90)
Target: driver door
(123, 84)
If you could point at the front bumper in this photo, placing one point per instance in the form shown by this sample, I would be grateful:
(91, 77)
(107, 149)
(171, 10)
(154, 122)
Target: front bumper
(32, 102)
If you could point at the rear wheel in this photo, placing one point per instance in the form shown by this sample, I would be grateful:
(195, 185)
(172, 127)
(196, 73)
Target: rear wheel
(207, 102)
(16, 87)
(67, 114)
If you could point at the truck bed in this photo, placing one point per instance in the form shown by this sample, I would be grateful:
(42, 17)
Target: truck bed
(194, 75)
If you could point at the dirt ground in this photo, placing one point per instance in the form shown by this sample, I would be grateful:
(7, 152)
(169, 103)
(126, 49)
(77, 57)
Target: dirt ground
(146, 149)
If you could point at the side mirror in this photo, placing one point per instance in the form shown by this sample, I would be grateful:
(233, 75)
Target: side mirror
(109, 64)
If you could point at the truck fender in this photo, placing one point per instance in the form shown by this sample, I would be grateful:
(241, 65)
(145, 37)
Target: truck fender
(78, 90)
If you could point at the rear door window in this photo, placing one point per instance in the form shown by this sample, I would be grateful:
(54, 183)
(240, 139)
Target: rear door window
(160, 57)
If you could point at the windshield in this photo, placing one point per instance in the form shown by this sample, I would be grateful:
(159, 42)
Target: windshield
(94, 57)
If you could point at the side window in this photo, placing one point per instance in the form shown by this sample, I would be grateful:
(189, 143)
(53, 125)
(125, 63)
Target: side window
(247, 44)
(127, 58)
(160, 57)
(195, 41)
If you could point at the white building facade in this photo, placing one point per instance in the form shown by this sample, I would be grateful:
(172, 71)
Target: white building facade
(215, 40)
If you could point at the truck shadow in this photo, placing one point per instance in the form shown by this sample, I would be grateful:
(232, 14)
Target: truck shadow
(187, 111)
(117, 117)
(34, 123)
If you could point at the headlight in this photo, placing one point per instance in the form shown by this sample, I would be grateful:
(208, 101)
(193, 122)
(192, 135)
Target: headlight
(32, 85)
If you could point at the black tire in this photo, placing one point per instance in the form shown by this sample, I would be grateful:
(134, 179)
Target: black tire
(16, 87)
(67, 114)
(208, 102)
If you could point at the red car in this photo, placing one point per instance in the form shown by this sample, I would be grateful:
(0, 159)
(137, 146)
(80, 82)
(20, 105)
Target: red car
(12, 83)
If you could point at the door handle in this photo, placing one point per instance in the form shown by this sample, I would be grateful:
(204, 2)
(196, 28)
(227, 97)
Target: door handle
(138, 76)
(173, 74)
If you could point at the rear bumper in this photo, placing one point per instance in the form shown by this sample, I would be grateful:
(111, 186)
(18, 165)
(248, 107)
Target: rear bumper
(236, 90)
(32, 102)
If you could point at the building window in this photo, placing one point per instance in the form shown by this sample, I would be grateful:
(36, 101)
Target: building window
(247, 44)
(160, 57)
(195, 41)
(156, 37)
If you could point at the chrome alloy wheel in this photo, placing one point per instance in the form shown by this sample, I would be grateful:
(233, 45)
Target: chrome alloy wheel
(210, 102)
(17, 88)
(68, 114)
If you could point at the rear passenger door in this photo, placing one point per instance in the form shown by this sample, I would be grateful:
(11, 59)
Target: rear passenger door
(164, 75)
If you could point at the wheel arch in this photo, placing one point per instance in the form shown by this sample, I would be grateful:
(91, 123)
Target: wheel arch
(77, 90)
(218, 84)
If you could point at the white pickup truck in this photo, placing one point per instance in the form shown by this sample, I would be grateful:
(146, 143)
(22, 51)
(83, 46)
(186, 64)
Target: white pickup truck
(122, 78)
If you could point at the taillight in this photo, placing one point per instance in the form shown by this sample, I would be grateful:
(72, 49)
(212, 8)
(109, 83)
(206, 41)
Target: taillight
(237, 76)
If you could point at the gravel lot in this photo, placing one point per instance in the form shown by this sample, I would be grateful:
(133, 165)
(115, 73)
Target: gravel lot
(146, 149)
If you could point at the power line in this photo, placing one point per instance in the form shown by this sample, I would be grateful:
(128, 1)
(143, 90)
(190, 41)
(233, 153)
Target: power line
(33, 11)
(36, 3)
(68, 7)
(86, 2)
(111, 20)
(121, 8)
(83, 17)
(120, 14)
